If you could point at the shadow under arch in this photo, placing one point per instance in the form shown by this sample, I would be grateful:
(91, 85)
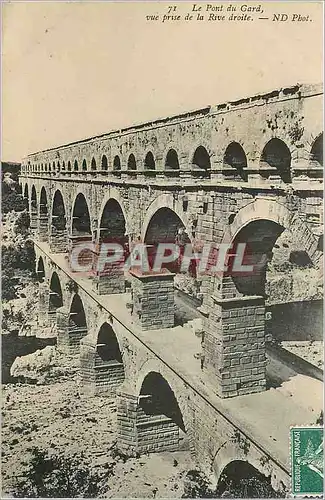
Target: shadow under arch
(40, 269)
(166, 227)
(43, 216)
(276, 160)
(235, 162)
(316, 152)
(58, 230)
(262, 209)
(240, 479)
(101, 362)
(159, 420)
(26, 193)
(80, 220)
(56, 297)
(76, 328)
(33, 209)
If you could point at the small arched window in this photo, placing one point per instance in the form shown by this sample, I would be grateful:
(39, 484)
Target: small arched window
(201, 162)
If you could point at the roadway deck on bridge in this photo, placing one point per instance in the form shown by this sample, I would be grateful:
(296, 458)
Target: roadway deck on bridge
(265, 417)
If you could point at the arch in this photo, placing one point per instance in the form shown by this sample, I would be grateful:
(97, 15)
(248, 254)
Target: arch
(258, 225)
(113, 223)
(277, 156)
(40, 269)
(164, 201)
(75, 165)
(80, 221)
(158, 407)
(149, 161)
(131, 162)
(108, 348)
(116, 163)
(43, 202)
(201, 163)
(58, 236)
(69, 166)
(33, 209)
(271, 210)
(104, 163)
(235, 158)
(43, 216)
(77, 328)
(101, 362)
(316, 153)
(93, 164)
(172, 163)
(53, 166)
(56, 296)
(84, 165)
(26, 194)
(165, 226)
(34, 198)
(240, 479)
(149, 164)
(59, 167)
(63, 165)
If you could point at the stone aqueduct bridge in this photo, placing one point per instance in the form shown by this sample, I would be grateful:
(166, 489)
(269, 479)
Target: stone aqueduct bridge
(243, 171)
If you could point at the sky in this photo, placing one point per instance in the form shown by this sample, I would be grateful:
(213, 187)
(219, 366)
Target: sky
(74, 70)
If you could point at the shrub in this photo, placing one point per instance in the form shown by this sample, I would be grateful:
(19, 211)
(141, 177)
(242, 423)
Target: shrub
(12, 201)
(22, 223)
(57, 476)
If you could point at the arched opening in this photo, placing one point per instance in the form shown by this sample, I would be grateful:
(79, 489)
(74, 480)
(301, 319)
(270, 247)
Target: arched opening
(56, 297)
(316, 153)
(44, 216)
(80, 217)
(26, 195)
(109, 276)
(33, 210)
(58, 237)
(240, 479)
(235, 158)
(77, 328)
(59, 167)
(40, 270)
(158, 409)
(149, 165)
(259, 238)
(53, 166)
(165, 226)
(172, 164)
(75, 166)
(117, 166)
(132, 166)
(69, 166)
(104, 162)
(201, 163)
(63, 166)
(277, 157)
(109, 368)
(84, 165)
(93, 164)
(112, 223)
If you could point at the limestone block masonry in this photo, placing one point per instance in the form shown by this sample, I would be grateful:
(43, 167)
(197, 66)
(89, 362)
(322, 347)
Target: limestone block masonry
(153, 300)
